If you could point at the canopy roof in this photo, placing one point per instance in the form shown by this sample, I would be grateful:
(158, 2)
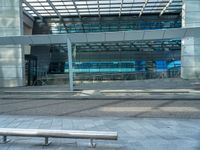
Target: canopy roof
(102, 37)
(79, 8)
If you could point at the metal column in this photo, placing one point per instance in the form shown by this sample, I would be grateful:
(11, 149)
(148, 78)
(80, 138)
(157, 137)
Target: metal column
(74, 59)
(69, 51)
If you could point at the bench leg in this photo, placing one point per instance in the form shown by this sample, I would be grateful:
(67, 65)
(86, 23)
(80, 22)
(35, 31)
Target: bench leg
(46, 141)
(92, 144)
(5, 140)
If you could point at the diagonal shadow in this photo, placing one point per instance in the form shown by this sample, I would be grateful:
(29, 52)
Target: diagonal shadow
(154, 108)
(93, 107)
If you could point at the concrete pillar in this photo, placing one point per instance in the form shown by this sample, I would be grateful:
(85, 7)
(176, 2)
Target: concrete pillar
(190, 54)
(27, 31)
(11, 56)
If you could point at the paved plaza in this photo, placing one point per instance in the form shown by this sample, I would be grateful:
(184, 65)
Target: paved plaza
(145, 119)
(177, 109)
(130, 67)
(134, 134)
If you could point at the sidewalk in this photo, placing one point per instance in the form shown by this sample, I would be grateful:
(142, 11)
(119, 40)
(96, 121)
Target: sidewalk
(134, 134)
(165, 89)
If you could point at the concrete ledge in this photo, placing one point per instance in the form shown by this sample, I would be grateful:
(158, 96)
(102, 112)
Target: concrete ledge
(63, 97)
(148, 91)
(37, 92)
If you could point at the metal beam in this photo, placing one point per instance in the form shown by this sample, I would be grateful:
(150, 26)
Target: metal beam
(150, 46)
(33, 9)
(120, 12)
(98, 8)
(76, 9)
(101, 37)
(69, 52)
(165, 8)
(56, 11)
(28, 15)
(142, 10)
(137, 48)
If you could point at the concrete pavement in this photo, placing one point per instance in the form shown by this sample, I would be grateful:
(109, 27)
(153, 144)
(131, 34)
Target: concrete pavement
(134, 134)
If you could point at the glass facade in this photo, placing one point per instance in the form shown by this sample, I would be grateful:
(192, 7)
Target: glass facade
(126, 58)
(108, 67)
(112, 25)
(148, 59)
(119, 58)
(121, 66)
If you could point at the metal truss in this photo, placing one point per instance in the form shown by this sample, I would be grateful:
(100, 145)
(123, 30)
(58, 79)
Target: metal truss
(145, 4)
(33, 9)
(74, 8)
(61, 18)
(120, 12)
(165, 8)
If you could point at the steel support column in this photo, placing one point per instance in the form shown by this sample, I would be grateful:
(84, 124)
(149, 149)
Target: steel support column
(69, 51)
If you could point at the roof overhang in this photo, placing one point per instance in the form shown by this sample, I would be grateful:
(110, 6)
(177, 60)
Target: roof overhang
(161, 34)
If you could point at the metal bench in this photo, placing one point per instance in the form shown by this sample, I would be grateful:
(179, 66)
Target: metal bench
(76, 134)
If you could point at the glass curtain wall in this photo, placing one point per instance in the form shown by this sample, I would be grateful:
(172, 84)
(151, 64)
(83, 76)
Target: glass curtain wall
(127, 61)
(123, 60)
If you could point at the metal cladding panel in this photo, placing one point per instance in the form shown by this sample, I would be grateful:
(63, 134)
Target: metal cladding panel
(174, 33)
(2, 40)
(133, 35)
(95, 37)
(6, 40)
(25, 40)
(59, 38)
(114, 36)
(153, 34)
(40, 39)
(101, 37)
(77, 37)
(21, 40)
(193, 32)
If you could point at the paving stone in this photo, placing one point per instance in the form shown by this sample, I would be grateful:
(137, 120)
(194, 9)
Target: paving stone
(134, 133)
